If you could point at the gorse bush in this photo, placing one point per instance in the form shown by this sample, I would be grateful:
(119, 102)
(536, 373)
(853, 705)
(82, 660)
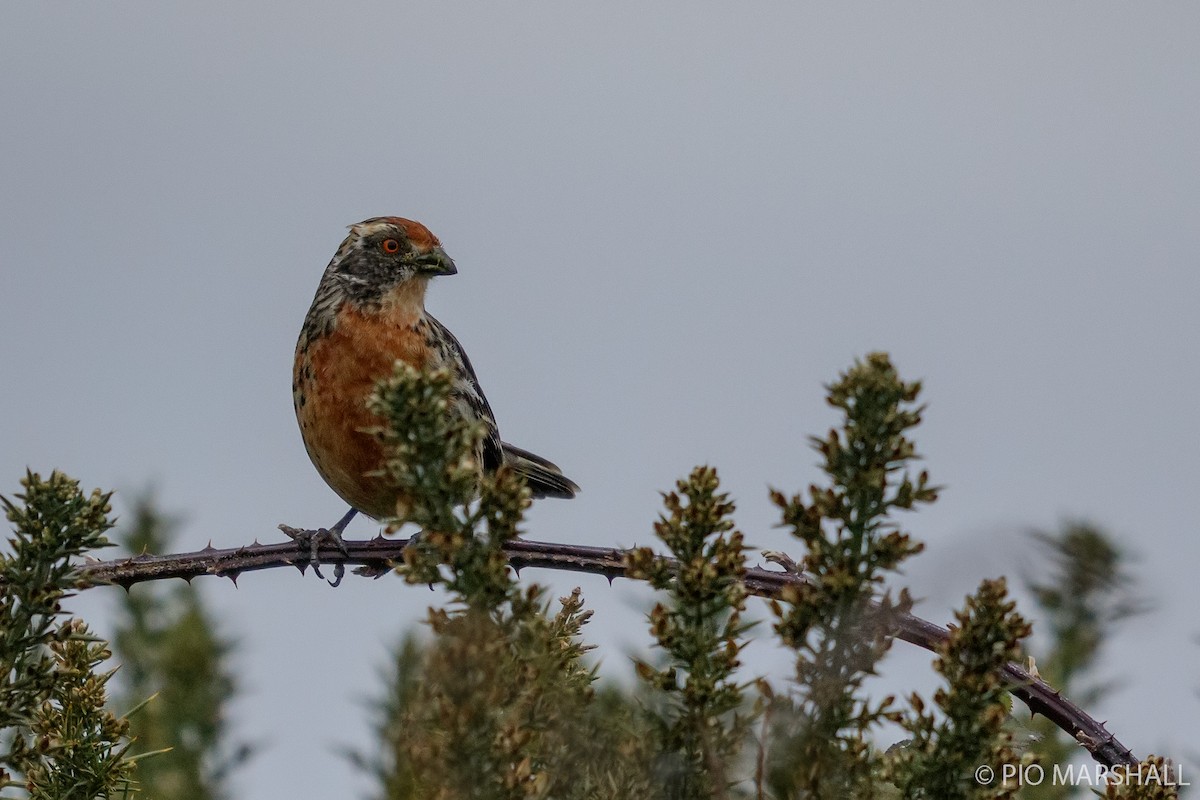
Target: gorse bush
(499, 700)
(57, 737)
(176, 676)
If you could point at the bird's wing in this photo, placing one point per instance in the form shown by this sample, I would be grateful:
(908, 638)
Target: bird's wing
(543, 477)
(470, 392)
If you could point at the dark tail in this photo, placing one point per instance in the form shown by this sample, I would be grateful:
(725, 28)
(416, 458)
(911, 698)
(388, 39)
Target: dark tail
(543, 477)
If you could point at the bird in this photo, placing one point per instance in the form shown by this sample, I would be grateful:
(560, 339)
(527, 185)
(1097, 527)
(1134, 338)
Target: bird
(368, 313)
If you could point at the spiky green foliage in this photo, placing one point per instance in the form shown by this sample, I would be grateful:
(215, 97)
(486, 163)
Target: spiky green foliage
(433, 463)
(433, 451)
(700, 628)
(176, 673)
(1083, 591)
(1155, 778)
(941, 758)
(390, 765)
(851, 542)
(57, 738)
(1088, 590)
(500, 703)
(604, 757)
(504, 705)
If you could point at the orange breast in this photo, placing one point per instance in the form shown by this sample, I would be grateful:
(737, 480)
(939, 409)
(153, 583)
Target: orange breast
(333, 376)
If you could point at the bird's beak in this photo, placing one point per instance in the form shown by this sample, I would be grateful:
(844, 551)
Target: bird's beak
(435, 262)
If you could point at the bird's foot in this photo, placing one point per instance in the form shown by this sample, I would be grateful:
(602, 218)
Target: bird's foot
(310, 542)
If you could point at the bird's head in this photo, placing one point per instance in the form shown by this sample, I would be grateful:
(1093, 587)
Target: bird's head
(385, 253)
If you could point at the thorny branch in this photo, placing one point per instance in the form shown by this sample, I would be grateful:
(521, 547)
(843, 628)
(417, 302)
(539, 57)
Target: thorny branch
(378, 556)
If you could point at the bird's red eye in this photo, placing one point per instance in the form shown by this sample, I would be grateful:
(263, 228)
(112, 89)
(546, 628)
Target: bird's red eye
(390, 246)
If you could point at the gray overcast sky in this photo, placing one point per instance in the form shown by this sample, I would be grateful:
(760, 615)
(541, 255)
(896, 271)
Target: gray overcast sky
(673, 224)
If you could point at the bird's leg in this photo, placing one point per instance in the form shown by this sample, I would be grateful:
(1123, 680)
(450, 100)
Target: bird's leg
(334, 534)
(311, 540)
